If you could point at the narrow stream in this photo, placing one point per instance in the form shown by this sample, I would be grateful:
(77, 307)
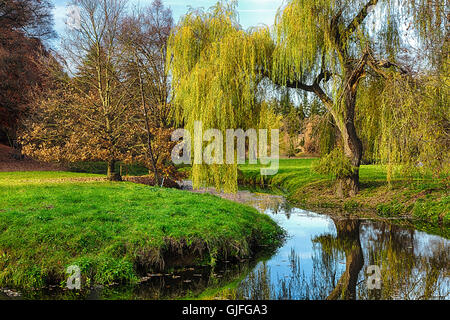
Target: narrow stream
(323, 258)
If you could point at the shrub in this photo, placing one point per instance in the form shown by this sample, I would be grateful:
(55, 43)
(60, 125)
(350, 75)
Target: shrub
(335, 165)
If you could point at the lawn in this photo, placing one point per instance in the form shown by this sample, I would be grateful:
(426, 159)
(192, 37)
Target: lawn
(296, 173)
(115, 231)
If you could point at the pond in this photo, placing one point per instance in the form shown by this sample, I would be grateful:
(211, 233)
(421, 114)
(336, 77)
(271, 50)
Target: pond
(323, 257)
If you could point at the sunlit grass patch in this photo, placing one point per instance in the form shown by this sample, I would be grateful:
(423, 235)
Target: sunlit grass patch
(408, 195)
(42, 177)
(114, 231)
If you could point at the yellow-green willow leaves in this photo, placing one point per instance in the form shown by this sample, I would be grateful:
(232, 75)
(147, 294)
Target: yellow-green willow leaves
(216, 69)
(345, 52)
(405, 122)
(302, 34)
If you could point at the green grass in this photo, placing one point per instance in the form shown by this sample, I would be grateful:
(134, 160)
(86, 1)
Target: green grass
(296, 173)
(292, 174)
(10, 179)
(114, 231)
(422, 197)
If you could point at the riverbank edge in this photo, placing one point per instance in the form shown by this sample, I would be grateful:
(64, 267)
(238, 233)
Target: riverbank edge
(426, 210)
(172, 254)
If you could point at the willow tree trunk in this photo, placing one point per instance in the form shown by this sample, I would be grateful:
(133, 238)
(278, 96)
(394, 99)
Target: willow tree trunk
(113, 175)
(349, 186)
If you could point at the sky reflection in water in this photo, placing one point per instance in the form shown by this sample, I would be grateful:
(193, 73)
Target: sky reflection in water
(323, 257)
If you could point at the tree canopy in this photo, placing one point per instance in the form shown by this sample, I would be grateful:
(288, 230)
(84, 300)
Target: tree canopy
(217, 70)
(346, 53)
(25, 25)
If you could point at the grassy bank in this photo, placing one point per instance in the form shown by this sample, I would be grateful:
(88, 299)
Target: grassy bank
(427, 200)
(115, 231)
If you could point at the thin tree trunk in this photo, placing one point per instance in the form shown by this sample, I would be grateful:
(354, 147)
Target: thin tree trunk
(113, 175)
(147, 128)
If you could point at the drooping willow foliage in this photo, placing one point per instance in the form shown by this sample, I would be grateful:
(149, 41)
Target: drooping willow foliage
(306, 46)
(405, 123)
(334, 49)
(401, 119)
(431, 18)
(216, 69)
(304, 31)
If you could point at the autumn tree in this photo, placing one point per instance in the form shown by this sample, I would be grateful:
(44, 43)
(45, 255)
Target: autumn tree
(88, 118)
(292, 121)
(25, 25)
(144, 35)
(31, 17)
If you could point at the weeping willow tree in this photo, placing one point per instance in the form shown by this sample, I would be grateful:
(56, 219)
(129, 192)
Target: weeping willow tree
(406, 124)
(404, 120)
(216, 71)
(328, 47)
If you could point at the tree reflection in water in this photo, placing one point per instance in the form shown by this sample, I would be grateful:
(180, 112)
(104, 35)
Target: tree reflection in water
(316, 263)
(411, 267)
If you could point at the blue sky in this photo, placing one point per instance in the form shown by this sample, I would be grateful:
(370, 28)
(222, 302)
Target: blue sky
(251, 12)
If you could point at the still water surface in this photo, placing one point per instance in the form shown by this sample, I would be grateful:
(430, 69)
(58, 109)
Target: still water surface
(323, 258)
